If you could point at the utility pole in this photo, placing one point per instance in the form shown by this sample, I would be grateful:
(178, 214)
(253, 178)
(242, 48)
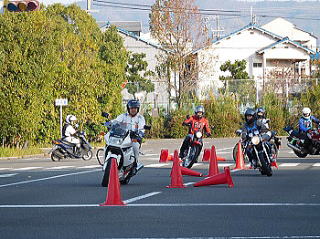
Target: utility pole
(89, 9)
(253, 17)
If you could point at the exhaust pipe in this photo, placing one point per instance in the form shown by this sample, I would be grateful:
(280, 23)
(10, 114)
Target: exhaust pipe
(294, 148)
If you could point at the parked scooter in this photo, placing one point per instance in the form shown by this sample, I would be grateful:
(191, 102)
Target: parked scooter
(63, 149)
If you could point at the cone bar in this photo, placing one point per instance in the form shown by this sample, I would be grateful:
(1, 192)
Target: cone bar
(221, 178)
(189, 172)
(213, 167)
(176, 176)
(113, 195)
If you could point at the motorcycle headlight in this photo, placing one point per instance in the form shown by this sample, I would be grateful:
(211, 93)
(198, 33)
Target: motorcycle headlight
(255, 140)
(198, 134)
(114, 140)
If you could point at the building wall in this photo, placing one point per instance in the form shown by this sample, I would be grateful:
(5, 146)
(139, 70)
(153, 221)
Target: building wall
(245, 45)
(160, 95)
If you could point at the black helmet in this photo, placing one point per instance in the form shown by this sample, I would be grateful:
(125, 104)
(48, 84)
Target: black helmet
(133, 104)
(260, 113)
(251, 112)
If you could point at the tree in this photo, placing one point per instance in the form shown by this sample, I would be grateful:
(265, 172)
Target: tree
(59, 52)
(178, 26)
(138, 76)
(238, 82)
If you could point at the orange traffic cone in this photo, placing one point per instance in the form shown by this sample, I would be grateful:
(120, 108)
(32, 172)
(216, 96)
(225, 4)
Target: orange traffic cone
(221, 178)
(206, 155)
(113, 195)
(239, 159)
(220, 158)
(170, 157)
(213, 167)
(176, 176)
(164, 156)
(189, 172)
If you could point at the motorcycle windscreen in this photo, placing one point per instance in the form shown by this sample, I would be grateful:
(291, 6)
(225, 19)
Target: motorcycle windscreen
(119, 129)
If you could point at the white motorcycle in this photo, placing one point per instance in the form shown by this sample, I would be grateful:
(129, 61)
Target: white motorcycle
(119, 146)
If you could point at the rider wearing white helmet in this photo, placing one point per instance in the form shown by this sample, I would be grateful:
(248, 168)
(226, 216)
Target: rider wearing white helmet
(69, 132)
(305, 122)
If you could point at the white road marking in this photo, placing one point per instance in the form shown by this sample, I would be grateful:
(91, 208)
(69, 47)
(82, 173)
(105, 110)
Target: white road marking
(141, 197)
(190, 183)
(7, 175)
(5, 169)
(156, 165)
(147, 155)
(316, 165)
(91, 166)
(166, 204)
(289, 164)
(26, 168)
(158, 158)
(48, 178)
(197, 164)
(60, 167)
(225, 164)
(224, 149)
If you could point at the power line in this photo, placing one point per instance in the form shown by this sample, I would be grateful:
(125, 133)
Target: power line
(208, 12)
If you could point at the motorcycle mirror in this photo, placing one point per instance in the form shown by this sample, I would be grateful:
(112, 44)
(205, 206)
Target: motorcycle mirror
(147, 127)
(187, 116)
(212, 127)
(238, 132)
(105, 114)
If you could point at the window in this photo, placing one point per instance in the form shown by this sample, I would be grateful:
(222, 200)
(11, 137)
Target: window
(257, 64)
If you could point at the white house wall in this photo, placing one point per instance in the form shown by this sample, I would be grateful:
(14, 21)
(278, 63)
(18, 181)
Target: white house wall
(237, 47)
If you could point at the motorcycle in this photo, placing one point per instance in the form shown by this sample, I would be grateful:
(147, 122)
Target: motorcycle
(300, 148)
(257, 152)
(63, 149)
(192, 153)
(274, 141)
(119, 146)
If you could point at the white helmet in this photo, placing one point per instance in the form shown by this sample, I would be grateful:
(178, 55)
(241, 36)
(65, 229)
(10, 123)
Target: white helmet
(306, 113)
(70, 119)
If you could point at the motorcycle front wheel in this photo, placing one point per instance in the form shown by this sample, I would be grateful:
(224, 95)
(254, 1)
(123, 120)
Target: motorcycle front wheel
(105, 179)
(192, 157)
(265, 168)
(100, 156)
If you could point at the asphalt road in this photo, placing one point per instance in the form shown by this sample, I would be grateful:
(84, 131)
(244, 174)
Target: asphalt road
(44, 199)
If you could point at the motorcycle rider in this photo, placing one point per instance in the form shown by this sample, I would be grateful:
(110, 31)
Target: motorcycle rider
(261, 117)
(69, 133)
(198, 123)
(252, 124)
(137, 122)
(305, 128)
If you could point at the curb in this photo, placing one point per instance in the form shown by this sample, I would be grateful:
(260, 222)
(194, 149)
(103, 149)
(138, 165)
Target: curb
(25, 156)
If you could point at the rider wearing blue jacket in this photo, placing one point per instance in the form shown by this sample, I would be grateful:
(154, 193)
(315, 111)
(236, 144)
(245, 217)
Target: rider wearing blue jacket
(305, 122)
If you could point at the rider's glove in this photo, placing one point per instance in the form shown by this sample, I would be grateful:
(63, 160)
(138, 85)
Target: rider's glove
(208, 134)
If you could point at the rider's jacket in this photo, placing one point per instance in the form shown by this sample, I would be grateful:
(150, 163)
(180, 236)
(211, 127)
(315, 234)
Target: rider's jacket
(137, 122)
(68, 130)
(250, 128)
(306, 124)
(197, 124)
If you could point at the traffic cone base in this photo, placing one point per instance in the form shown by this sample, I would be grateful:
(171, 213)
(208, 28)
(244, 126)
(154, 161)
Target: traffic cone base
(221, 178)
(189, 172)
(274, 164)
(206, 155)
(113, 194)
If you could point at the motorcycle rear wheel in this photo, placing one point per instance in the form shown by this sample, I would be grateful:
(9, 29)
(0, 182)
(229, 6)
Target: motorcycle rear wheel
(54, 156)
(300, 155)
(88, 155)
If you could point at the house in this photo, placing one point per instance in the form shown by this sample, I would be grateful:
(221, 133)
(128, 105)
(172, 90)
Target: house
(263, 51)
(136, 44)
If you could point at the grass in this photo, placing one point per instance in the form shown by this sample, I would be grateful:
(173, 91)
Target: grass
(14, 152)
